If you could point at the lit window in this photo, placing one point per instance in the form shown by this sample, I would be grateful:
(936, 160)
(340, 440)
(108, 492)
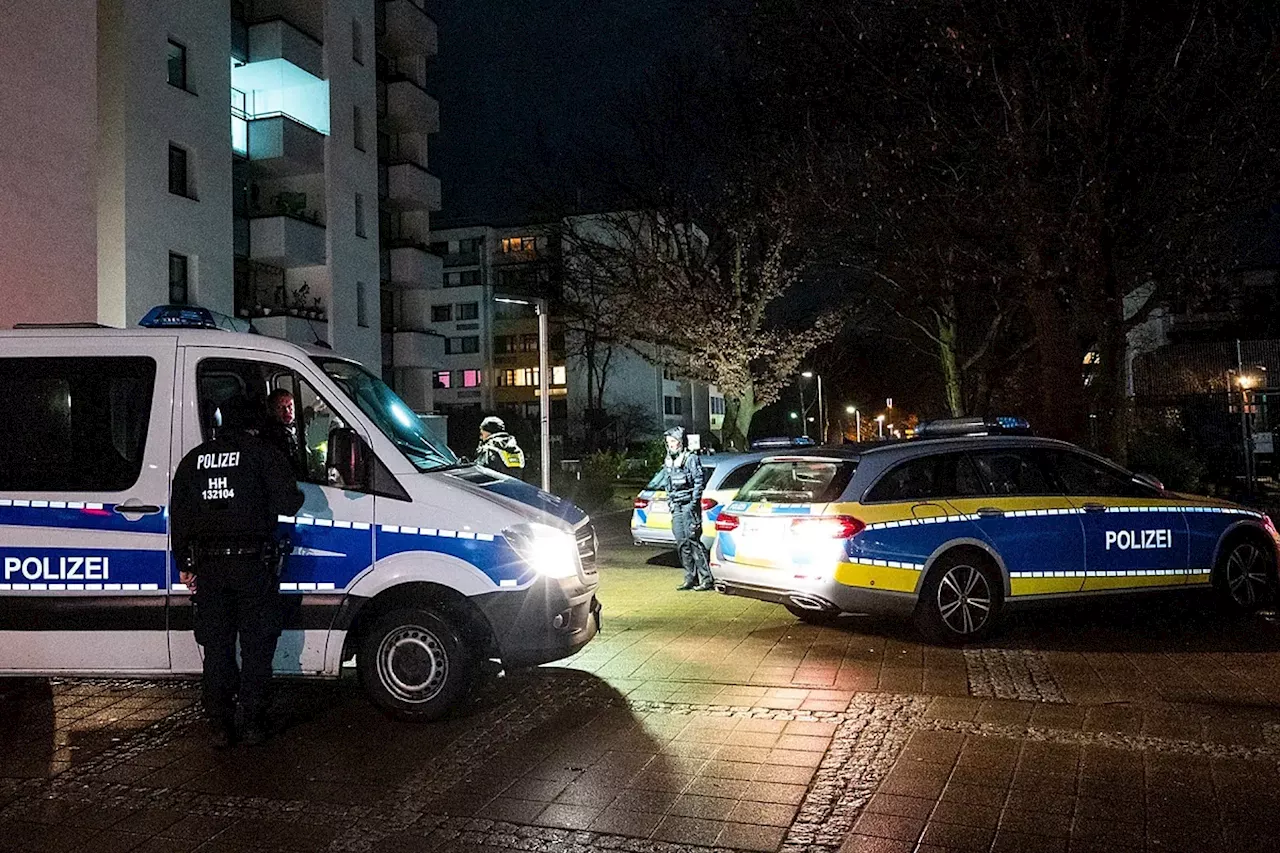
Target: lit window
(471, 378)
(441, 313)
(518, 244)
(177, 65)
(440, 379)
(468, 310)
(179, 287)
(558, 375)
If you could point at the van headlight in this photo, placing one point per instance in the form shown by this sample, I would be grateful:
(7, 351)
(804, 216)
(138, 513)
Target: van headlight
(549, 551)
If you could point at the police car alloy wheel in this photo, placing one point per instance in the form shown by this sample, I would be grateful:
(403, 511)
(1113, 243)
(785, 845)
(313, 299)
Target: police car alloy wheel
(960, 600)
(1243, 576)
(412, 664)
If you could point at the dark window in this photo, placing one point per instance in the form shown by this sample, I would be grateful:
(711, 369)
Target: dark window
(799, 481)
(359, 215)
(362, 307)
(469, 311)
(179, 286)
(357, 127)
(1013, 472)
(1083, 476)
(461, 346)
(441, 313)
(946, 475)
(673, 405)
(177, 65)
(74, 424)
(737, 478)
(357, 42)
(504, 344)
(465, 278)
(178, 184)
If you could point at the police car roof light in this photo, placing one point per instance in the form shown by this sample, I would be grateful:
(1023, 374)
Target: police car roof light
(973, 426)
(178, 317)
(782, 441)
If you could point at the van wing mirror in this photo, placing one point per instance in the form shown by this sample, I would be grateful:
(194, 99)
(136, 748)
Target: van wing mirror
(346, 458)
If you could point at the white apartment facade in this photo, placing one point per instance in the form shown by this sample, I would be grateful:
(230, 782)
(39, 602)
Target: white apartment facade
(250, 157)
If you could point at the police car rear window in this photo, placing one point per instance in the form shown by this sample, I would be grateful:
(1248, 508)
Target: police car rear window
(74, 424)
(798, 481)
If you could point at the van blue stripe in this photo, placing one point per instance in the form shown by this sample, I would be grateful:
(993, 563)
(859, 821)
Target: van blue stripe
(105, 518)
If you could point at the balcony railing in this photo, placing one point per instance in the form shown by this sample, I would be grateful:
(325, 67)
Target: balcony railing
(407, 29)
(406, 107)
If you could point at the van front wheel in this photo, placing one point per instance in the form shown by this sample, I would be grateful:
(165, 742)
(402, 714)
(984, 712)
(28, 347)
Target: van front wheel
(414, 665)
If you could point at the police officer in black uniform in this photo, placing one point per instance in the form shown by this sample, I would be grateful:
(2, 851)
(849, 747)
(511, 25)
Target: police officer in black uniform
(227, 494)
(682, 481)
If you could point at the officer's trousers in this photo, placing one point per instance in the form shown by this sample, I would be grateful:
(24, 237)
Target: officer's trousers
(686, 524)
(237, 598)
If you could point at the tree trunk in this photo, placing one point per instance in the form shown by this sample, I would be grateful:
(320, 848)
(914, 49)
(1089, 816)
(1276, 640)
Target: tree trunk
(1062, 411)
(738, 412)
(951, 379)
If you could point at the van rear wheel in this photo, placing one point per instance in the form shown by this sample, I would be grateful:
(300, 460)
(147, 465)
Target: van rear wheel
(414, 665)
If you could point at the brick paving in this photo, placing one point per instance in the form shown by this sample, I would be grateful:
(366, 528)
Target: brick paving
(697, 722)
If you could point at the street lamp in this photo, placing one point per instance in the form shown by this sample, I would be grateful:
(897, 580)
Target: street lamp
(544, 381)
(822, 429)
(880, 423)
(857, 420)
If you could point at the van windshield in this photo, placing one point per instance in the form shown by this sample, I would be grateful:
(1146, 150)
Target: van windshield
(390, 414)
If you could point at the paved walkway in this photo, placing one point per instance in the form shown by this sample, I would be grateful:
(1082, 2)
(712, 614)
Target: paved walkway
(699, 721)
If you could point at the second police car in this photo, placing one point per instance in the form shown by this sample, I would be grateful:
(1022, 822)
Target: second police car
(414, 564)
(722, 475)
(955, 529)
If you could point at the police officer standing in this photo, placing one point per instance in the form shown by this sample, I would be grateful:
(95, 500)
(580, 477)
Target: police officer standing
(682, 480)
(498, 448)
(227, 494)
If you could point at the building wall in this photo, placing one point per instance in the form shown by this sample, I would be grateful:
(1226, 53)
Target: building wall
(139, 221)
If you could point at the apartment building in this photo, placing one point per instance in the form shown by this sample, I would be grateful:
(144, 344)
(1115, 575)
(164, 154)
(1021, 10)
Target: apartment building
(482, 312)
(266, 159)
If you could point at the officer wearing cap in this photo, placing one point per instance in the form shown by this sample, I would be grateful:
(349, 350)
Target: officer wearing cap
(682, 480)
(498, 449)
(227, 496)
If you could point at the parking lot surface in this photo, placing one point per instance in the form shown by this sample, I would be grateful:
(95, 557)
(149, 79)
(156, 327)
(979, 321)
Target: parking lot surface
(696, 721)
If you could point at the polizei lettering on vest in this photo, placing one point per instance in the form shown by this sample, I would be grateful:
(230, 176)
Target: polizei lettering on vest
(218, 460)
(57, 568)
(1139, 540)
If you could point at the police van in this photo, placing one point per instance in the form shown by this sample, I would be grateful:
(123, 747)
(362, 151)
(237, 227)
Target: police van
(411, 562)
(971, 519)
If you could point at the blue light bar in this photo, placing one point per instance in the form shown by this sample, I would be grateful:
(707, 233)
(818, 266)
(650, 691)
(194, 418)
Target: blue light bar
(178, 317)
(973, 426)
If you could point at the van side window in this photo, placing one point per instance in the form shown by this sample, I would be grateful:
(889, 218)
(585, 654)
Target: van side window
(74, 424)
(294, 417)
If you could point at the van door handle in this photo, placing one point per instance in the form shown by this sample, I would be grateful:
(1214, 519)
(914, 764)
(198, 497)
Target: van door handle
(137, 509)
(990, 512)
(1095, 507)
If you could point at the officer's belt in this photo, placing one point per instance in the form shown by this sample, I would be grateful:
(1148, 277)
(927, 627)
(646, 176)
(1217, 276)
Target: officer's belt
(231, 549)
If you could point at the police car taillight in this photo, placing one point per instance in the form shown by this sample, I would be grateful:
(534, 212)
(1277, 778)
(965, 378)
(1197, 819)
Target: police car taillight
(726, 522)
(828, 526)
(640, 503)
(707, 503)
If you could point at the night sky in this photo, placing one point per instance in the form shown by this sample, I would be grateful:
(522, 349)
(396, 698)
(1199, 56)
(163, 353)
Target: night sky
(527, 88)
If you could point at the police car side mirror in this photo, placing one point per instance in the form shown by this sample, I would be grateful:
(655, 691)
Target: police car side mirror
(1148, 480)
(345, 455)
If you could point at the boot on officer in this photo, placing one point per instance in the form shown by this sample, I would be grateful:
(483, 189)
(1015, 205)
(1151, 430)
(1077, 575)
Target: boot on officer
(682, 480)
(227, 496)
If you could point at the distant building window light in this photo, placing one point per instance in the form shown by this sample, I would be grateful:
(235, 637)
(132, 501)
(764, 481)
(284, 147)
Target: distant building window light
(440, 379)
(441, 313)
(472, 378)
(177, 65)
(179, 283)
(468, 310)
(179, 183)
(558, 375)
(518, 244)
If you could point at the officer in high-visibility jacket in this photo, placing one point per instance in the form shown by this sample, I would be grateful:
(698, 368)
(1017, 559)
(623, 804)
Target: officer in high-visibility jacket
(498, 448)
(682, 480)
(228, 494)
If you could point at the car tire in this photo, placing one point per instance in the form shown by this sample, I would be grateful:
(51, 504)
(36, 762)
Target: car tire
(414, 665)
(960, 600)
(813, 617)
(1244, 575)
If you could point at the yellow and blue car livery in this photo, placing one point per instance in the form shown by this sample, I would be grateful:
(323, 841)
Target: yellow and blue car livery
(954, 530)
(722, 474)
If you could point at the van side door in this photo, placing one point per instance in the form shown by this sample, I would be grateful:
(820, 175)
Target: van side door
(84, 482)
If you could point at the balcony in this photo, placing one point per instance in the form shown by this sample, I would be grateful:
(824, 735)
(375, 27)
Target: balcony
(306, 15)
(286, 241)
(408, 186)
(409, 30)
(279, 39)
(411, 265)
(406, 107)
(412, 348)
(280, 147)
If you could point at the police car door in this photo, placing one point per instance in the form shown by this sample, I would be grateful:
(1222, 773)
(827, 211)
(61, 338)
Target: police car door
(1134, 536)
(332, 535)
(84, 479)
